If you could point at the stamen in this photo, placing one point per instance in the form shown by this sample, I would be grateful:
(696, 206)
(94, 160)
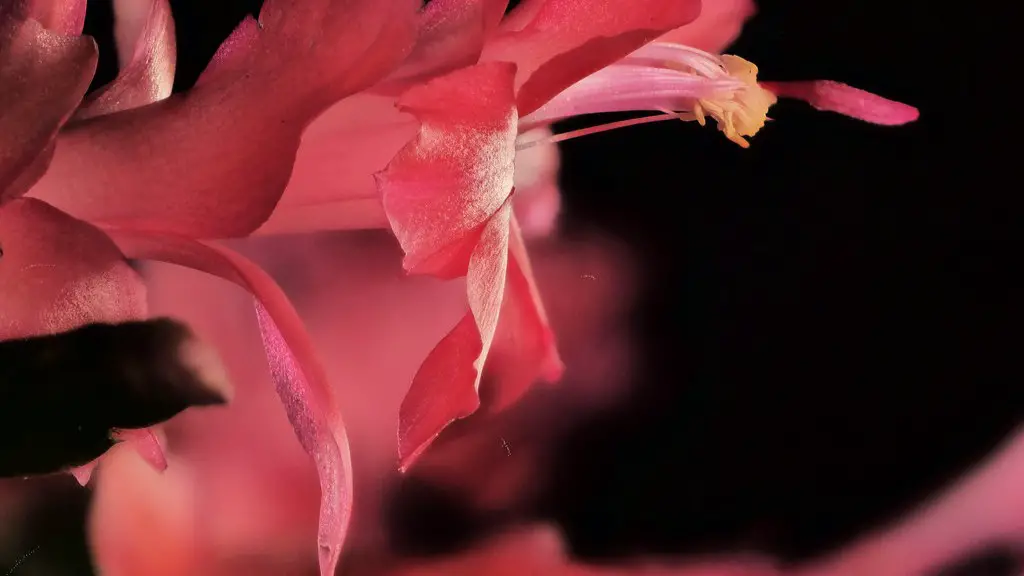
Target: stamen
(603, 128)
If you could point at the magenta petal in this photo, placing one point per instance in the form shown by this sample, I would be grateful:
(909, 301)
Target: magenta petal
(214, 162)
(44, 75)
(445, 387)
(853, 102)
(559, 42)
(301, 384)
(58, 273)
(146, 49)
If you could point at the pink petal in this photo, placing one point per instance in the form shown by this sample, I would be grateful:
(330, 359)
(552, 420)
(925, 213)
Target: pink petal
(214, 162)
(445, 387)
(65, 17)
(524, 348)
(847, 100)
(559, 42)
(146, 50)
(538, 200)
(144, 442)
(451, 35)
(58, 273)
(718, 25)
(301, 384)
(44, 75)
(442, 188)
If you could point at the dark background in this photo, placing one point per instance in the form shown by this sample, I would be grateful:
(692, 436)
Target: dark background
(830, 330)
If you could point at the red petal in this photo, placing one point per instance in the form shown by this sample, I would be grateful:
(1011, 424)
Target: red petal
(213, 163)
(44, 76)
(58, 273)
(445, 387)
(61, 16)
(301, 384)
(524, 346)
(559, 42)
(718, 25)
(853, 102)
(451, 35)
(146, 50)
(442, 188)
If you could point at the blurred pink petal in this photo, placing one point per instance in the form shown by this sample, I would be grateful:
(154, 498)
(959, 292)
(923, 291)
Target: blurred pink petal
(447, 197)
(144, 442)
(58, 273)
(146, 50)
(301, 383)
(984, 508)
(846, 100)
(718, 25)
(537, 201)
(554, 43)
(214, 162)
(44, 75)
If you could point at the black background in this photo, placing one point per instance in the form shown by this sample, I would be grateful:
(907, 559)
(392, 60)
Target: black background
(831, 327)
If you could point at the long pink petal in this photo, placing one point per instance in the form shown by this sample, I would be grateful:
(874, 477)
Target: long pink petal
(524, 346)
(300, 380)
(44, 75)
(562, 41)
(445, 387)
(718, 25)
(214, 162)
(442, 188)
(853, 102)
(146, 49)
(58, 273)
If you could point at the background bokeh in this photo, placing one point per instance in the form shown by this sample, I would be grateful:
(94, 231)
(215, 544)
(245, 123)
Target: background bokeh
(825, 325)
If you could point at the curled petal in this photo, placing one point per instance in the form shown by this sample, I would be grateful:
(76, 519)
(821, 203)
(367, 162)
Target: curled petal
(555, 43)
(298, 375)
(441, 189)
(44, 75)
(146, 50)
(445, 387)
(214, 162)
(718, 25)
(853, 102)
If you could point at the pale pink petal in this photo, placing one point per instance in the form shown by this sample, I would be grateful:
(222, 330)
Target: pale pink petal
(58, 273)
(146, 50)
(524, 348)
(718, 25)
(560, 42)
(214, 162)
(303, 389)
(537, 201)
(853, 102)
(451, 35)
(44, 75)
(144, 442)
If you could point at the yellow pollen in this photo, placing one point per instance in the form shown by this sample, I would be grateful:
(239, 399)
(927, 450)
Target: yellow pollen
(739, 112)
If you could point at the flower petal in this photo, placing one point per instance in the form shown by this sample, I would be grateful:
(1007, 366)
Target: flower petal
(214, 162)
(44, 75)
(58, 273)
(559, 42)
(524, 346)
(853, 102)
(301, 384)
(146, 50)
(65, 17)
(445, 387)
(718, 25)
(442, 188)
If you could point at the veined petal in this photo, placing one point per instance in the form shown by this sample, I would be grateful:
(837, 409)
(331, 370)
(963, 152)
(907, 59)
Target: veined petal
(555, 43)
(214, 162)
(44, 75)
(299, 377)
(146, 51)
